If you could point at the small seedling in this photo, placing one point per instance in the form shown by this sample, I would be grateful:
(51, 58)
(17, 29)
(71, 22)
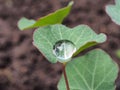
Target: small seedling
(93, 71)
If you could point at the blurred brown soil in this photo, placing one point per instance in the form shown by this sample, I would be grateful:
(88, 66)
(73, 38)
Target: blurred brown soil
(22, 67)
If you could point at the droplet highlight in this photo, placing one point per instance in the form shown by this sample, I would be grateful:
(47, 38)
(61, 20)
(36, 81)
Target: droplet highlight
(63, 50)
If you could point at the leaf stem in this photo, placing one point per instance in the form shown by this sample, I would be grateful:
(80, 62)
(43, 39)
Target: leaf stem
(65, 77)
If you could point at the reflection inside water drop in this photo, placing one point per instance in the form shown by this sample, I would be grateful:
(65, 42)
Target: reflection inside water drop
(63, 50)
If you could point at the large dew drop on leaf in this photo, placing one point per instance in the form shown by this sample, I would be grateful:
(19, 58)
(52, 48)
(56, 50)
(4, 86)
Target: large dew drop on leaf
(82, 36)
(64, 50)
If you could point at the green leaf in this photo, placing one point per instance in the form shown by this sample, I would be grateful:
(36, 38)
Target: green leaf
(24, 23)
(114, 11)
(45, 38)
(54, 18)
(93, 71)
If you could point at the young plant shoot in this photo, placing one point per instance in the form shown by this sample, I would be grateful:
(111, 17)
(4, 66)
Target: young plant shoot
(58, 43)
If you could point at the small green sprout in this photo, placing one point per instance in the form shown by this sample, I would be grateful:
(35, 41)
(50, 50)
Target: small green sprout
(59, 43)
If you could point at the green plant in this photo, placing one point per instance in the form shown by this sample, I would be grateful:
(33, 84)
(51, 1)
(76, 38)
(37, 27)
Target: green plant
(58, 43)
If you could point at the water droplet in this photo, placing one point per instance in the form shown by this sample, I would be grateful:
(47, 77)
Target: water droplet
(63, 50)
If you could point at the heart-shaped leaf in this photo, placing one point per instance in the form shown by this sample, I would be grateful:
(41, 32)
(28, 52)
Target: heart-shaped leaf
(46, 37)
(114, 11)
(93, 71)
(54, 18)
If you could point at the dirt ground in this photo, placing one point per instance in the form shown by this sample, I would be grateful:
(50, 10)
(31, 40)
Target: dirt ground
(22, 67)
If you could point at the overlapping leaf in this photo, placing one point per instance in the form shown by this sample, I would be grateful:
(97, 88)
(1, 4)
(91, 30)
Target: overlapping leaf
(114, 11)
(53, 18)
(93, 71)
(46, 37)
